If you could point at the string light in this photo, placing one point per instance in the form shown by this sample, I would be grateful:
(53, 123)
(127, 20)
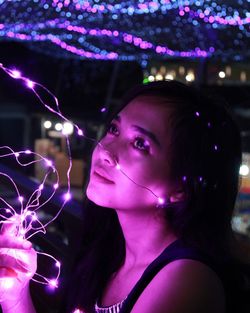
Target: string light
(78, 30)
(25, 219)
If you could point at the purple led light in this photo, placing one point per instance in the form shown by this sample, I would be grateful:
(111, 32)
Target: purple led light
(161, 201)
(67, 196)
(104, 55)
(15, 74)
(30, 84)
(53, 283)
(80, 132)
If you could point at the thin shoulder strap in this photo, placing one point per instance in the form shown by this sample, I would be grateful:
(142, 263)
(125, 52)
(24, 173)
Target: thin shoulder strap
(174, 251)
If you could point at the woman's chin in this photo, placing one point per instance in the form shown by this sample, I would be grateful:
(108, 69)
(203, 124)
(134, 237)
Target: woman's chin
(98, 198)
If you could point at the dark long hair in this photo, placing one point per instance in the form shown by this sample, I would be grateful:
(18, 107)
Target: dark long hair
(205, 156)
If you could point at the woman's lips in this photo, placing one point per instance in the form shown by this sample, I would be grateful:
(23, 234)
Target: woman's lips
(102, 178)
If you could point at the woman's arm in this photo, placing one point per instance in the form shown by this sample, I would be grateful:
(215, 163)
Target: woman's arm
(23, 305)
(183, 286)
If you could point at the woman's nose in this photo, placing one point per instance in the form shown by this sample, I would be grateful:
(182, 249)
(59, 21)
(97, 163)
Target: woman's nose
(106, 155)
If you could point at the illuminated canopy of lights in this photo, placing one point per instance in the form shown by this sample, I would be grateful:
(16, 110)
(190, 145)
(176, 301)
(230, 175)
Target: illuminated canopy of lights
(130, 30)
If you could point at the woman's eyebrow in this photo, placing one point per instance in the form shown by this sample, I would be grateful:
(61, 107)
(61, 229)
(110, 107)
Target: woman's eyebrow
(147, 133)
(142, 130)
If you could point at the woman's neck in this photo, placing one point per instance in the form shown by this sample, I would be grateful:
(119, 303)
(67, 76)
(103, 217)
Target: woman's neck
(146, 236)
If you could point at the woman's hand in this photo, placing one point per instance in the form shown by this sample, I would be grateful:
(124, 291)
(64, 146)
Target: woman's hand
(18, 262)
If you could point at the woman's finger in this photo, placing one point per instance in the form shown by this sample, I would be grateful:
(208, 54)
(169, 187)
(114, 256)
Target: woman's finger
(10, 226)
(8, 261)
(12, 242)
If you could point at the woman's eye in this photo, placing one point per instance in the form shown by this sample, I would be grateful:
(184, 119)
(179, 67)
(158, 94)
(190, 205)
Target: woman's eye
(112, 129)
(141, 144)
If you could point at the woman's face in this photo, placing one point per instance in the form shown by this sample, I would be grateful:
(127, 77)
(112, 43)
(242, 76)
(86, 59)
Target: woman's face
(137, 139)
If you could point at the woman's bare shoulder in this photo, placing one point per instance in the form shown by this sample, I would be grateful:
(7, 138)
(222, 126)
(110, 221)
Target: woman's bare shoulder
(183, 286)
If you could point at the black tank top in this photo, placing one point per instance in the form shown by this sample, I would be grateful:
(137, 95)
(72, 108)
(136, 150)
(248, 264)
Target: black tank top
(178, 250)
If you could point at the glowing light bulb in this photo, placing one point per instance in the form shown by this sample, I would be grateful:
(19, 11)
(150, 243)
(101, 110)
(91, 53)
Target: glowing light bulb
(53, 283)
(151, 78)
(80, 132)
(68, 128)
(244, 170)
(222, 74)
(161, 200)
(30, 84)
(190, 77)
(67, 196)
(47, 124)
(15, 74)
(49, 162)
(158, 77)
(58, 127)
(169, 77)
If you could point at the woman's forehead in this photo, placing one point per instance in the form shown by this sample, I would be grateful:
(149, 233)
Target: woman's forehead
(146, 107)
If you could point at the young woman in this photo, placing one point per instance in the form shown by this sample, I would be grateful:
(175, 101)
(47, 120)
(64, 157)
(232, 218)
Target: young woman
(164, 179)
